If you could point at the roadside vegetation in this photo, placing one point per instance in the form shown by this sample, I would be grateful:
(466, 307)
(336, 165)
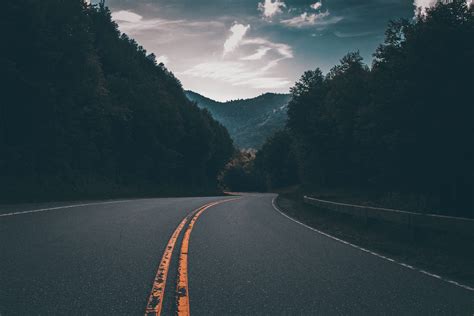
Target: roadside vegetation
(86, 112)
(398, 133)
(249, 121)
(447, 254)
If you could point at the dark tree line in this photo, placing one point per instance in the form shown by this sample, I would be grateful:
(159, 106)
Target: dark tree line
(86, 111)
(406, 124)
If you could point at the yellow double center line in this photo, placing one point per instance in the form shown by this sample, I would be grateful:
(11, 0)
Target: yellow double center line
(155, 301)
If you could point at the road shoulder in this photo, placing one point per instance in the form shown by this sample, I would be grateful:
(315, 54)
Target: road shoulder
(443, 255)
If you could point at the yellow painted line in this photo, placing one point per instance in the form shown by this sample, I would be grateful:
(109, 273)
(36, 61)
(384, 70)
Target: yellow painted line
(155, 301)
(183, 284)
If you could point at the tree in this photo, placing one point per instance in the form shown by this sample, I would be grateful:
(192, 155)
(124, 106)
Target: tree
(275, 163)
(92, 113)
(405, 125)
(421, 81)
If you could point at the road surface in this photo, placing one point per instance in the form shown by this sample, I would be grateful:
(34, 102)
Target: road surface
(242, 257)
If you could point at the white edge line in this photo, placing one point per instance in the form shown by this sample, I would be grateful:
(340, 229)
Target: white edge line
(61, 207)
(68, 206)
(466, 287)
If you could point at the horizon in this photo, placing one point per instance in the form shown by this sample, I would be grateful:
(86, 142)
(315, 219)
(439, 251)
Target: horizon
(159, 166)
(233, 100)
(251, 47)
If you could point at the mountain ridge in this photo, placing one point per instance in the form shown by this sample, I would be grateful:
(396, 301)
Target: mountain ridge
(249, 121)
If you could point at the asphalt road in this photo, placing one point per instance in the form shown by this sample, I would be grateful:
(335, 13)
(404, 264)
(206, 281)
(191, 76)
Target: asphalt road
(244, 258)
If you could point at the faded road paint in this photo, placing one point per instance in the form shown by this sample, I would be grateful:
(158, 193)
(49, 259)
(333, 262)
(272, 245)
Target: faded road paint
(183, 283)
(155, 301)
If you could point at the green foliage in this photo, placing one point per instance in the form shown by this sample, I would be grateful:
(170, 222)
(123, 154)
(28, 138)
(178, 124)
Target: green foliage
(249, 121)
(405, 125)
(239, 174)
(276, 161)
(85, 107)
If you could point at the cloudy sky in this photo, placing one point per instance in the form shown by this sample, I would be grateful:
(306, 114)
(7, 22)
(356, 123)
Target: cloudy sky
(229, 49)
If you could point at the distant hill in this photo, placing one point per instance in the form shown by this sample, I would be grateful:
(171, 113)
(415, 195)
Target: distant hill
(249, 121)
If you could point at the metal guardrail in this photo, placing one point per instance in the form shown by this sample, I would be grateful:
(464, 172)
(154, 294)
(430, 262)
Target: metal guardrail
(411, 219)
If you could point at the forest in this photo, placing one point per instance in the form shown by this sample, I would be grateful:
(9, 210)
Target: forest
(403, 126)
(86, 112)
(249, 121)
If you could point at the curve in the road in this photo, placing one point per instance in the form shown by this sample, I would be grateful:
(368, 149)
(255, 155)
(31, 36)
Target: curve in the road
(155, 301)
(466, 287)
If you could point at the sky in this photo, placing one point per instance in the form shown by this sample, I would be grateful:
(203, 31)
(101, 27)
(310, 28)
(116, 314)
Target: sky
(234, 49)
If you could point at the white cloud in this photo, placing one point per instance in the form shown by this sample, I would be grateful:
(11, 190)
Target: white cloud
(237, 74)
(132, 23)
(126, 16)
(162, 59)
(316, 5)
(306, 19)
(233, 41)
(283, 49)
(262, 51)
(271, 64)
(269, 8)
(254, 70)
(266, 83)
(422, 5)
(229, 71)
(251, 71)
(232, 62)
